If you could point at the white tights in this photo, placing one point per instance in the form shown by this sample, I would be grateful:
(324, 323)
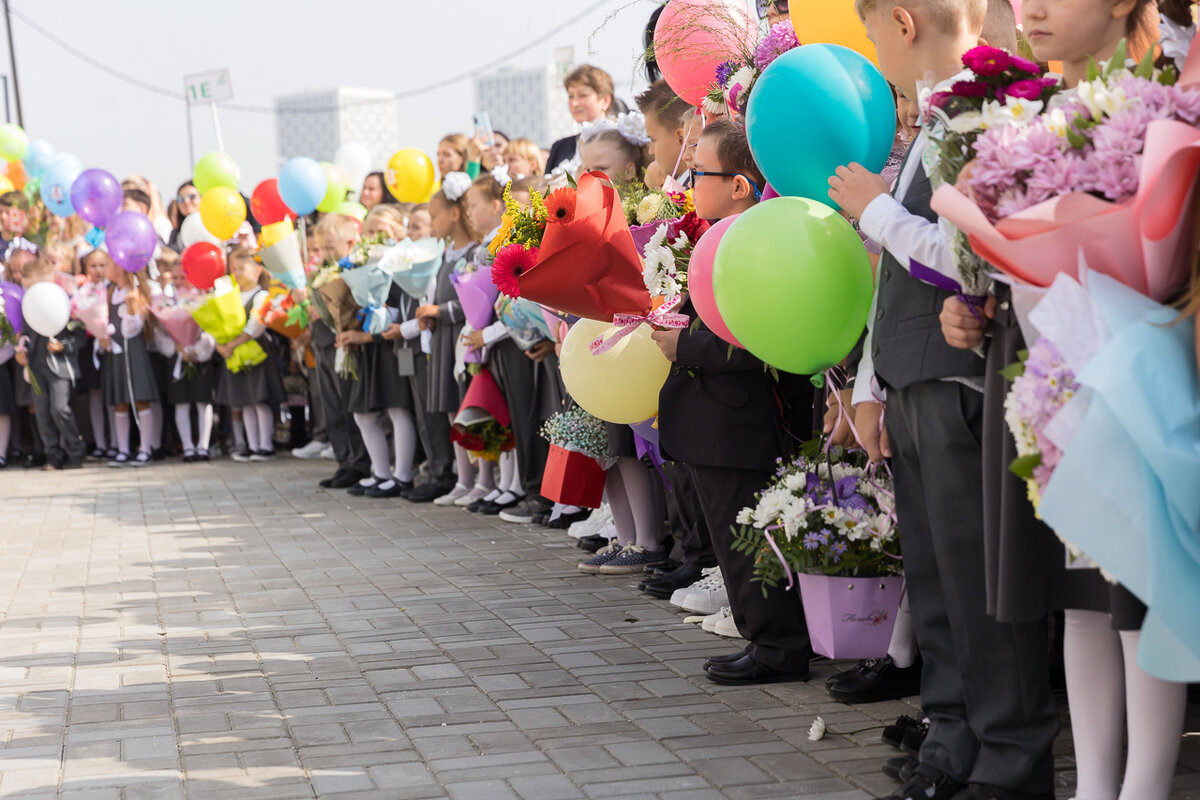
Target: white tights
(260, 427)
(183, 423)
(1107, 690)
(629, 485)
(404, 442)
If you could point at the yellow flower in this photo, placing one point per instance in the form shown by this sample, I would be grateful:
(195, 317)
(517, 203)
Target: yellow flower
(689, 204)
(506, 228)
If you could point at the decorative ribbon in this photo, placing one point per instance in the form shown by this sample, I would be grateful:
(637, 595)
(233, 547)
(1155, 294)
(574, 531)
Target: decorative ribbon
(662, 317)
(779, 554)
(374, 319)
(974, 302)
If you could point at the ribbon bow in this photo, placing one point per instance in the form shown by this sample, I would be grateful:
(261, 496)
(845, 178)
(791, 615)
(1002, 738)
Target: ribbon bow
(662, 317)
(374, 319)
(95, 238)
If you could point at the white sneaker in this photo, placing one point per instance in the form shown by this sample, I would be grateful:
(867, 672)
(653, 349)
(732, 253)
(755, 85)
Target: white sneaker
(599, 519)
(477, 493)
(711, 620)
(311, 450)
(725, 626)
(453, 496)
(705, 596)
(327, 453)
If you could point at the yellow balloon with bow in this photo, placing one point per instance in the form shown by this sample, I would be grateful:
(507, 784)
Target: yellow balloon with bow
(831, 22)
(620, 385)
(222, 210)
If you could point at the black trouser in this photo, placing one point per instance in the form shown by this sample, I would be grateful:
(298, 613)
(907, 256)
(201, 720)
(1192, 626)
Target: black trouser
(772, 624)
(984, 684)
(343, 434)
(55, 420)
(687, 518)
(515, 373)
(433, 427)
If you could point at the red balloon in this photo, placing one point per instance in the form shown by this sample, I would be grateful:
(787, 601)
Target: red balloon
(203, 264)
(266, 205)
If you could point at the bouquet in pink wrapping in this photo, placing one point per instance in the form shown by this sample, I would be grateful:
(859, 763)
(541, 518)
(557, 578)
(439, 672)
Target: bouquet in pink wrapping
(175, 317)
(90, 306)
(1111, 173)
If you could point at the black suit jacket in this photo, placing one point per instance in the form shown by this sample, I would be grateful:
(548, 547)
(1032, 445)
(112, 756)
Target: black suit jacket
(719, 408)
(561, 151)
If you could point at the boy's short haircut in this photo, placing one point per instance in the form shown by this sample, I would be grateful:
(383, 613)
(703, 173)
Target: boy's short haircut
(38, 269)
(661, 103)
(167, 258)
(337, 226)
(138, 196)
(686, 115)
(593, 78)
(14, 199)
(733, 148)
(947, 15)
(1000, 25)
(239, 252)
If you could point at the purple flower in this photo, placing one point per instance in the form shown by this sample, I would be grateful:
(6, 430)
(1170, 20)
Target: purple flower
(987, 61)
(725, 71)
(1116, 180)
(1031, 89)
(1025, 65)
(1187, 104)
(837, 551)
(778, 41)
(969, 89)
(812, 541)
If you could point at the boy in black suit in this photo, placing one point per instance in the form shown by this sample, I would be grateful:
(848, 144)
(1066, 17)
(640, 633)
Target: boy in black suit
(719, 419)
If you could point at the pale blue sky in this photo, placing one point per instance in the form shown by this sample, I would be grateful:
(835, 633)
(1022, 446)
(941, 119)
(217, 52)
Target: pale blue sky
(276, 47)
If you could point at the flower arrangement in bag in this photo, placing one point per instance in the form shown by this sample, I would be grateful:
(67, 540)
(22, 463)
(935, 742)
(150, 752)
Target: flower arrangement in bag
(579, 432)
(828, 514)
(1042, 384)
(668, 253)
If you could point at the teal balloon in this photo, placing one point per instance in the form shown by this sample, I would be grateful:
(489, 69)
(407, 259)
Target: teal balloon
(817, 108)
(793, 283)
(302, 185)
(38, 157)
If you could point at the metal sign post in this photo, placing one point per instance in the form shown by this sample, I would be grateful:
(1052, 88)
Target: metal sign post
(211, 88)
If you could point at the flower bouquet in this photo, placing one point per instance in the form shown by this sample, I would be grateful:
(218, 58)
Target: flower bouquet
(282, 314)
(369, 285)
(831, 520)
(668, 253)
(412, 265)
(483, 425)
(736, 77)
(1111, 173)
(285, 261)
(477, 299)
(10, 312)
(574, 253)
(579, 457)
(220, 313)
(175, 319)
(524, 320)
(335, 304)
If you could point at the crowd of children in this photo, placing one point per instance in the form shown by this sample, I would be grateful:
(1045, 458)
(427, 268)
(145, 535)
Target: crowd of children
(971, 633)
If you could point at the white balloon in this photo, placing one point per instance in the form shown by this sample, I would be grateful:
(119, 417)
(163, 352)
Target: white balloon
(354, 160)
(46, 308)
(192, 230)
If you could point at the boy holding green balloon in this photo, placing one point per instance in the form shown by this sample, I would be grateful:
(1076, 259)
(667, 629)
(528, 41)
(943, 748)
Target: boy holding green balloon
(984, 684)
(719, 421)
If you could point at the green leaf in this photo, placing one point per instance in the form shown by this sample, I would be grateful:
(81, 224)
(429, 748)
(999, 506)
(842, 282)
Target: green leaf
(729, 353)
(1012, 372)
(1024, 466)
(1169, 76)
(1093, 70)
(1145, 69)
(1117, 62)
(571, 180)
(1022, 356)
(1077, 140)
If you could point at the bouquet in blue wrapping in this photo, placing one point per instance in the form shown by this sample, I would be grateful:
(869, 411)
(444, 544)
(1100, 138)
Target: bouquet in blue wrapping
(1106, 416)
(524, 320)
(368, 284)
(412, 265)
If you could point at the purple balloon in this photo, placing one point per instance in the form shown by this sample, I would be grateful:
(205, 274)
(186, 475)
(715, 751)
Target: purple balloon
(13, 295)
(97, 196)
(131, 239)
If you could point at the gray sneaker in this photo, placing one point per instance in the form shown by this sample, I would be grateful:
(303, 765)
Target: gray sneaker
(603, 556)
(632, 560)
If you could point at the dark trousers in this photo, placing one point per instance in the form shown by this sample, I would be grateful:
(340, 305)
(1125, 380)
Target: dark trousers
(515, 373)
(773, 625)
(343, 434)
(316, 416)
(687, 519)
(985, 684)
(55, 420)
(433, 428)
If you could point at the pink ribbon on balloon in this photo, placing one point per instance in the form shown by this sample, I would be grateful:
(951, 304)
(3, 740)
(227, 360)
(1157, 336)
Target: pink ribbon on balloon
(662, 317)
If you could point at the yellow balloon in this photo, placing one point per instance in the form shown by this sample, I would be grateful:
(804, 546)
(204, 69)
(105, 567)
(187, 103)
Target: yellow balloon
(619, 386)
(222, 210)
(275, 232)
(6, 185)
(831, 22)
(410, 175)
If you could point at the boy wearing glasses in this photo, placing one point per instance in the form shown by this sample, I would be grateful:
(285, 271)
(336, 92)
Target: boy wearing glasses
(729, 395)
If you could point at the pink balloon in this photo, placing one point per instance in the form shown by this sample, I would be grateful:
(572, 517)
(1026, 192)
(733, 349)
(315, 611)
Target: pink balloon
(694, 37)
(1016, 4)
(700, 281)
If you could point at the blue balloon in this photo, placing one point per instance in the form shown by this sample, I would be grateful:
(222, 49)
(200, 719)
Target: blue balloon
(302, 185)
(56, 186)
(814, 109)
(38, 158)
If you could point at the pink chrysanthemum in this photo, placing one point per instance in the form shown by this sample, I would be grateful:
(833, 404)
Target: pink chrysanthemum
(781, 39)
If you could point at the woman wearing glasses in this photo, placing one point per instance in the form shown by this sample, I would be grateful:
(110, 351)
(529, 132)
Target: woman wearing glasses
(187, 201)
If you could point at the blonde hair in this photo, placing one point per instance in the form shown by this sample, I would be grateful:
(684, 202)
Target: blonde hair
(243, 253)
(336, 226)
(528, 150)
(459, 143)
(948, 15)
(389, 219)
(39, 269)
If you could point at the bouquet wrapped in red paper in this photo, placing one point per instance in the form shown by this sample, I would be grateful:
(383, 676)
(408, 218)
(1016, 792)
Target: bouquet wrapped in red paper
(573, 253)
(483, 425)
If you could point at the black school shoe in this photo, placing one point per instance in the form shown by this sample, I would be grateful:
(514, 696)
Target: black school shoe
(900, 768)
(875, 679)
(564, 521)
(428, 492)
(591, 544)
(346, 479)
(746, 671)
(895, 733)
(666, 583)
(389, 488)
(927, 783)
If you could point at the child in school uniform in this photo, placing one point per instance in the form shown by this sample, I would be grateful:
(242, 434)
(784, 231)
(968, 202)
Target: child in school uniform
(93, 263)
(126, 374)
(194, 391)
(731, 397)
(255, 390)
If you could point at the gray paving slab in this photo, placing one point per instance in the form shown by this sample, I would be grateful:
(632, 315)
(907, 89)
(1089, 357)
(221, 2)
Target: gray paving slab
(227, 630)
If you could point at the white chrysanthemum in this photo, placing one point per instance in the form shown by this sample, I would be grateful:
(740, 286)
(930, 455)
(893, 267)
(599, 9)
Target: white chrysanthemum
(649, 209)
(795, 481)
(965, 123)
(1014, 111)
(816, 732)
(745, 516)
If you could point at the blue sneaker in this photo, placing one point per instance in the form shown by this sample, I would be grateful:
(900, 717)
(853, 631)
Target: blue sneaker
(603, 556)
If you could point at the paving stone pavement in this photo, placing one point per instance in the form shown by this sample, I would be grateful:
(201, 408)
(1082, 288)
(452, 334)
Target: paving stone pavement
(227, 630)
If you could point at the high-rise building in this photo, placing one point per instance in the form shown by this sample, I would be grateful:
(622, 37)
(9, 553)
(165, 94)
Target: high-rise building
(316, 123)
(529, 103)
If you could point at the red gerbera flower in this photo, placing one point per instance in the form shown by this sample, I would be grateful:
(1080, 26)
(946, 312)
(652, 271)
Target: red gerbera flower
(511, 262)
(560, 205)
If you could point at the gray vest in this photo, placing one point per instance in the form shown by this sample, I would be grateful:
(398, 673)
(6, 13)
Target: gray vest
(907, 341)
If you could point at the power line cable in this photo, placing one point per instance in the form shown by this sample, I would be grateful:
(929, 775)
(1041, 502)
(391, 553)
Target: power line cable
(180, 96)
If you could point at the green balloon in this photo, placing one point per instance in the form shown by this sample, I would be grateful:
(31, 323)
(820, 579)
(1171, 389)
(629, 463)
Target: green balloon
(793, 283)
(349, 208)
(13, 142)
(337, 187)
(215, 169)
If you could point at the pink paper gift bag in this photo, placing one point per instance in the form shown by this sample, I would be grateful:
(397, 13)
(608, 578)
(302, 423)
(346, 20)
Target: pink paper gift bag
(850, 618)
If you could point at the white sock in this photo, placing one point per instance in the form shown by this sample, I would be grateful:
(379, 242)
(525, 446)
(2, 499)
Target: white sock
(121, 429)
(96, 412)
(508, 466)
(239, 432)
(404, 443)
(375, 440)
(903, 647)
(250, 423)
(266, 427)
(183, 424)
(204, 418)
(1156, 711)
(1096, 694)
(463, 465)
(145, 430)
(156, 424)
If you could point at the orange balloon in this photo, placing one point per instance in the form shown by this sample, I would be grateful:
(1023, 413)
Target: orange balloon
(15, 172)
(831, 22)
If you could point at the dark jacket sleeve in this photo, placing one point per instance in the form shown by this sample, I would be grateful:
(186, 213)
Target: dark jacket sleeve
(704, 350)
